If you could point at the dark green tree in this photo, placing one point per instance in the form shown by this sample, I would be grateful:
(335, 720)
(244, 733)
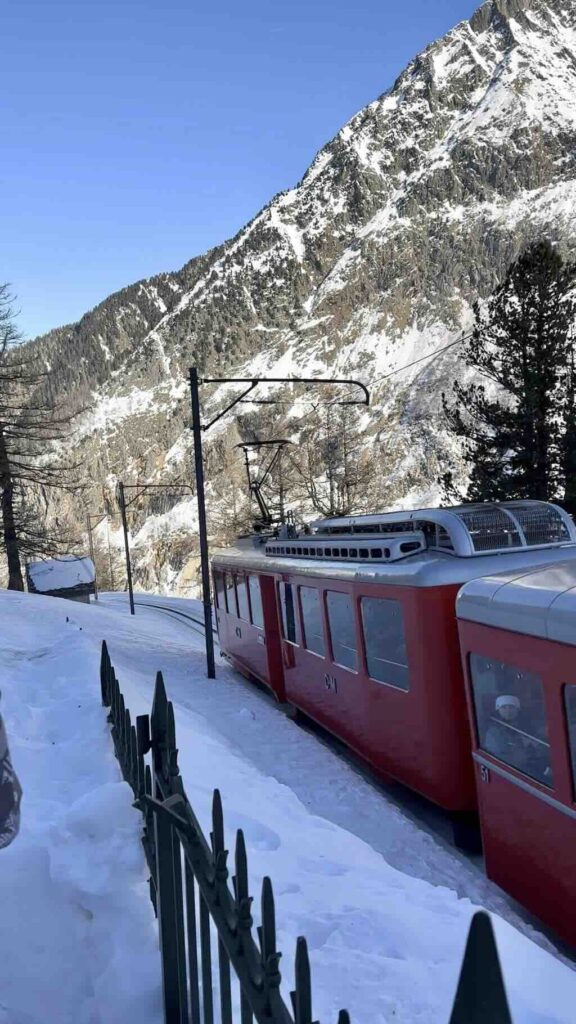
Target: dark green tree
(518, 424)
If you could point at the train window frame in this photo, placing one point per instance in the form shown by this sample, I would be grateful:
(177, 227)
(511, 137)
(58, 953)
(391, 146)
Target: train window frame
(570, 738)
(328, 593)
(397, 672)
(282, 590)
(219, 592)
(254, 578)
(229, 576)
(318, 592)
(240, 580)
(507, 732)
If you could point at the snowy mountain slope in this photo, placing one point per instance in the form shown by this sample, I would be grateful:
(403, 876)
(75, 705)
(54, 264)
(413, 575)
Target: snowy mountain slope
(375, 258)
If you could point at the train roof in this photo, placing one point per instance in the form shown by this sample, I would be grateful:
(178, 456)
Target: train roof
(420, 547)
(464, 531)
(423, 569)
(537, 602)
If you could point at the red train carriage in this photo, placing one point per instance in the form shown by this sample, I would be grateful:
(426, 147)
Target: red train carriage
(355, 625)
(518, 639)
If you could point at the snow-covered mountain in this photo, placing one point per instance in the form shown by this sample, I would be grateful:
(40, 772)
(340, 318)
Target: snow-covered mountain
(371, 262)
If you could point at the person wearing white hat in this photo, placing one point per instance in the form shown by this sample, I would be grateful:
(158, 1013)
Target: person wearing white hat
(503, 738)
(508, 707)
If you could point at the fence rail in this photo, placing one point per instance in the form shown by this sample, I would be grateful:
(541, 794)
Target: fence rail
(200, 915)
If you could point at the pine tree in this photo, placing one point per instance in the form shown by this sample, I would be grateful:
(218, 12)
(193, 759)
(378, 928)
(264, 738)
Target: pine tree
(29, 469)
(519, 424)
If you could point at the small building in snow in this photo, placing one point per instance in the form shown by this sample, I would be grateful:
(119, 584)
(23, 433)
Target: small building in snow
(69, 576)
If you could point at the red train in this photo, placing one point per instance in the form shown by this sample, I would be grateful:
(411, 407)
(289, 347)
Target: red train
(355, 624)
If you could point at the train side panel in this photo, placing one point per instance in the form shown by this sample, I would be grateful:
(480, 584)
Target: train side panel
(410, 722)
(248, 629)
(528, 823)
(420, 736)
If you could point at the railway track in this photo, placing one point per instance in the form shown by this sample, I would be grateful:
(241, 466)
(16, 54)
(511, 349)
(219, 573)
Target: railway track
(196, 624)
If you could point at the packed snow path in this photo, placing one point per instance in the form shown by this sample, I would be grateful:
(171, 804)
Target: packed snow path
(382, 902)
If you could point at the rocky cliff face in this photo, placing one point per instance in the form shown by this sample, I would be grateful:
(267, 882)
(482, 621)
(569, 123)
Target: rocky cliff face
(371, 262)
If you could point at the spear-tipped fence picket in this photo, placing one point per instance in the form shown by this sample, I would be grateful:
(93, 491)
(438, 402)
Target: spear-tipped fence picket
(192, 898)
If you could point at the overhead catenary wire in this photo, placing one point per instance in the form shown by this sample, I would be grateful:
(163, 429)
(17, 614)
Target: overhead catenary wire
(421, 359)
(385, 376)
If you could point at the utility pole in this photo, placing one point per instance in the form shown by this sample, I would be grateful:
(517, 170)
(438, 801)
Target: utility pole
(198, 427)
(112, 580)
(140, 489)
(91, 548)
(122, 503)
(202, 530)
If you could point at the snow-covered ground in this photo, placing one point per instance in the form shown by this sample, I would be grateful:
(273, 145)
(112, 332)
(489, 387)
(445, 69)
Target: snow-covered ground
(385, 904)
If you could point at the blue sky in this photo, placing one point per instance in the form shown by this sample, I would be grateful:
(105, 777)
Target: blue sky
(138, 133)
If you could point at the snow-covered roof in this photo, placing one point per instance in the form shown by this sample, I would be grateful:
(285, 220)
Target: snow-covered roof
(539, 602)
(60, 573)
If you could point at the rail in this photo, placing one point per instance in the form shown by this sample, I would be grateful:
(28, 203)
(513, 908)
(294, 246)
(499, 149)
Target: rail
(191, 896)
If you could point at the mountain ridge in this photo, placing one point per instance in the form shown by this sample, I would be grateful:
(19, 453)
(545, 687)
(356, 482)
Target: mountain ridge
(372, 260)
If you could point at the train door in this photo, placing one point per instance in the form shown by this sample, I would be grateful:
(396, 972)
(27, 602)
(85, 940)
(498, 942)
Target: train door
(417, 723)
(263, 596)
(523, 705)
(221, 607)
(248, 626)
(320, 652)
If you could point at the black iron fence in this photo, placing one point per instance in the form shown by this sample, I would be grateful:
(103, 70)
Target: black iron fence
(206, 929)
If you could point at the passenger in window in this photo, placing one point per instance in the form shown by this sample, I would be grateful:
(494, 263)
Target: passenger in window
(508, 738)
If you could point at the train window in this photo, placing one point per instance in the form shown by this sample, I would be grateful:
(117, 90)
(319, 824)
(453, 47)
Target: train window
(313, 632)
(256, 601)
(343, 552)
(342, 629)
(511, 716)
(376, 553)
(219, 589)
(289, 628)
(230, 594)
(570, 705)
(385, 641)
(242, 595)
(364, 552)
(353, 552)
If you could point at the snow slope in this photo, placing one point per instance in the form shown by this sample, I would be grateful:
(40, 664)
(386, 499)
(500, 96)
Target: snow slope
(385, 905)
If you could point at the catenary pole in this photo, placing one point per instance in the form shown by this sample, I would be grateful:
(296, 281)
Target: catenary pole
(202, 531)
(91, 548)
(198, 427)
(122, 504)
